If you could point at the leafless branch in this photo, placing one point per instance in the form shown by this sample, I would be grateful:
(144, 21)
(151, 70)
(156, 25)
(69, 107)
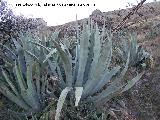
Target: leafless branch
(134, 10)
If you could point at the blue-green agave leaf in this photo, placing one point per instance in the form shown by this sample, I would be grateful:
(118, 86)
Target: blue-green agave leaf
(41, 45)
(16, 99)
(31, 90)
(132, 82)
(50, 54)
(96, 50)
(38, 79)
(78, 94)
(32, 55)
(10, 82)
(61, 102)
(8, 49)
(66, 63)
(96, 74)
(83, 55)
(105, 79)
(115, 86)
(21, 81)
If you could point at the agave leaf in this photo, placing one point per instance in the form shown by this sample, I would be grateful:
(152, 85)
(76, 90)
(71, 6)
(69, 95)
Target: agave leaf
(89, 59)
(108, 93)
(8, 61)
(17, 45)
(96, 74)
(20, 52)
(125, 49)
(20, 79)
(37, 76)
(16, 99)
(39, 44)
(105, 79)
(132, 82)
(22, 114)
(109, 57)
(106, 54)
(66, 41)
(25, 92)
(8, 49)
(96, 50)
(31, 90)
(49, 55)
(126, 66)
(91, 25)
(76, 66)
(28, 100)
(77, 52)
(84, 45)
(42, 53)
(32, 55)
(114, 88)
(66, 63)
(21, 61)
(78, 94)
(61, 102)
(10, 83)
(134, 48)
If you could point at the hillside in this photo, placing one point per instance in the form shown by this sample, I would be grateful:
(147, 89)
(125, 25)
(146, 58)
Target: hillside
(142, 102)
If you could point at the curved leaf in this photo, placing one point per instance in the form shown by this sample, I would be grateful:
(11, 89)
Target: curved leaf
(66, 63)
(132, 82)
(83, 55)
(61, 102)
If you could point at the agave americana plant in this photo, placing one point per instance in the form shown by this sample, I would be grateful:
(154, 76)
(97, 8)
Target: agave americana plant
(138, 54)
(89, 75)
(25, 84)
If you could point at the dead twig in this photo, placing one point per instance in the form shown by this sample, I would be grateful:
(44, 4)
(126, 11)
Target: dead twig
(134, 10)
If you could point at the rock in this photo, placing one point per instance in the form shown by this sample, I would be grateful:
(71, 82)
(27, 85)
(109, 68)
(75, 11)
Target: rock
(96, 12)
